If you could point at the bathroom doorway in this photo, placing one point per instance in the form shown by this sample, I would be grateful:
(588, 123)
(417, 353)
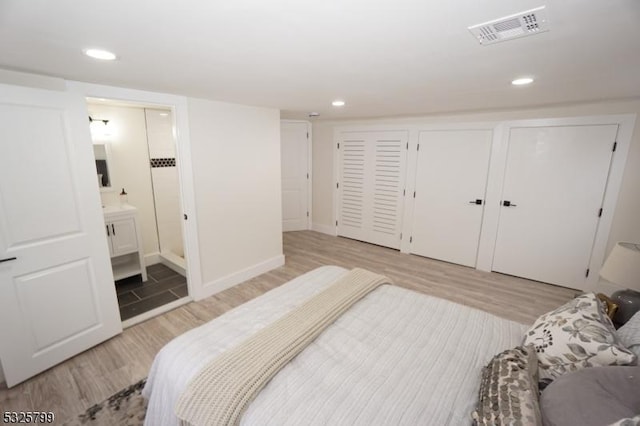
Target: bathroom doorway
(137, 173)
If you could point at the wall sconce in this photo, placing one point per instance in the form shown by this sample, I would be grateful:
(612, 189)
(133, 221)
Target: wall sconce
(100, 129)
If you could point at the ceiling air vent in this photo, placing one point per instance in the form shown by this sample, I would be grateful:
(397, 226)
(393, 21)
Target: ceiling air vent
(521, 24)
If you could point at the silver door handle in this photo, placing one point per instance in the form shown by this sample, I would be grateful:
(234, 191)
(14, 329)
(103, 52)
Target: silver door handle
(7, 259)
(508, 203)
(477, 201)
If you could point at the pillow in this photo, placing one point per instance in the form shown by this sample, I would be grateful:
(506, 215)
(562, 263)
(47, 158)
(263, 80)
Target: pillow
(576, 335)
(593, 396)
(629, 421)
(509, 389)
(629, 334)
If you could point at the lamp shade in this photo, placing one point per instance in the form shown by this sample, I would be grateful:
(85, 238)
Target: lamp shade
(622, 267)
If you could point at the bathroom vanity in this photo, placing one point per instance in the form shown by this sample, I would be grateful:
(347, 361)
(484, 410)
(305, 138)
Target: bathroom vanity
(125, 241)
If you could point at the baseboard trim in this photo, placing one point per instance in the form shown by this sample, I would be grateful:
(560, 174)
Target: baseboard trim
(221, 284)
(151, 259)
(325, 229)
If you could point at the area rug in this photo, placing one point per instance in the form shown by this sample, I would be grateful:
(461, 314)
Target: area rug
(126, 407)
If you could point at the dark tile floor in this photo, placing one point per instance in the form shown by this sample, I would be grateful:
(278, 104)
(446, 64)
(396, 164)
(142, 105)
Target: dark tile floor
(163, 286)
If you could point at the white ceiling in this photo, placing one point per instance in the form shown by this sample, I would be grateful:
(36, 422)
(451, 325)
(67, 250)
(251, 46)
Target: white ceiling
(383, 57)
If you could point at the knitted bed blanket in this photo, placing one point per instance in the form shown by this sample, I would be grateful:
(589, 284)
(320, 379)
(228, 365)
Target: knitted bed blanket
(221, 391)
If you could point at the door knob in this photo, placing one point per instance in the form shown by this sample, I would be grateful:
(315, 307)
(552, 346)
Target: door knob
(508, 203)
(476, 201)
(7, 259)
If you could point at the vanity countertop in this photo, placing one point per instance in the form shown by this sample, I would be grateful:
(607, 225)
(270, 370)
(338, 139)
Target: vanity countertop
(108, 210)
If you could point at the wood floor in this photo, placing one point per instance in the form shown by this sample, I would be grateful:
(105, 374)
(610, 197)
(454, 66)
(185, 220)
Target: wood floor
(94, 375)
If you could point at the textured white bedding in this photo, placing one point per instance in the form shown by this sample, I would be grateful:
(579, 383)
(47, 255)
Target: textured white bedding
(396, 357)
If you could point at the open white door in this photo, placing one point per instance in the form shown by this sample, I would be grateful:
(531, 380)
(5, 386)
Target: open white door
(57, 296)
(294, 148)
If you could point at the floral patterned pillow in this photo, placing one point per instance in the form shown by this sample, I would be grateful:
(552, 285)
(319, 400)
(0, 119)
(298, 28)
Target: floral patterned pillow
(576, 335)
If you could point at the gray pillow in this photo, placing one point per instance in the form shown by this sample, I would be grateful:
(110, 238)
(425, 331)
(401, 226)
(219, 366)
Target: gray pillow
(629, 334)
(593, 396)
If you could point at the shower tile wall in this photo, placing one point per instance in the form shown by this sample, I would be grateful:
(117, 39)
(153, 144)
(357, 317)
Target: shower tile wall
(164, 175)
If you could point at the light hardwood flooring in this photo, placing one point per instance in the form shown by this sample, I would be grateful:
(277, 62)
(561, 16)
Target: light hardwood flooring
(75, 385)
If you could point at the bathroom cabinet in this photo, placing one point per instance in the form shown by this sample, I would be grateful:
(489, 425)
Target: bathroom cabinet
(125, 241)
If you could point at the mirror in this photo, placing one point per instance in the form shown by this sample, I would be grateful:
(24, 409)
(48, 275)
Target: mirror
(101, 153)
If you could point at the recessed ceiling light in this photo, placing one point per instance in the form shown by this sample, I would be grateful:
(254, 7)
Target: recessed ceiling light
(105, 55)
(337, 103)
(522, 81)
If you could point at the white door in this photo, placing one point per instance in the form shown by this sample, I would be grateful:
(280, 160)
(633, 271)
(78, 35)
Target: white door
(124, 236)
(372, 169)
(553, 190)
(451, 179)
(294, 146)
(57, 296)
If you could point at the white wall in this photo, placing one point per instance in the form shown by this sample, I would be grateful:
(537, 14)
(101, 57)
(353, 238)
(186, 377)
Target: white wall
(236, 168)
(626, 226)
(129, 166)
(32, 80)
(235, 156)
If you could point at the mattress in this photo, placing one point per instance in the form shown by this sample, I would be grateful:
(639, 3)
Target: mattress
(396, 357)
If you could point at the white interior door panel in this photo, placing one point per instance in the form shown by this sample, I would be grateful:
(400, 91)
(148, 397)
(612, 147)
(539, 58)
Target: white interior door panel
(57, 296)
(554, 187)
(295, 175)
(451, 179)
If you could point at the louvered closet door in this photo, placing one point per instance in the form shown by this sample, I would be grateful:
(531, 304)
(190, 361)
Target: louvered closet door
(372, 169)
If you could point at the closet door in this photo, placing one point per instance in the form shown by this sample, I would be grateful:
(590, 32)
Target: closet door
(451, 179)
(372, 168)
(294, 161)
(553, 190)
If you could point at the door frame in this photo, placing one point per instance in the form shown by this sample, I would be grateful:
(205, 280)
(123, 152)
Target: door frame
(178, 106)
(497, 170)
(309, 167)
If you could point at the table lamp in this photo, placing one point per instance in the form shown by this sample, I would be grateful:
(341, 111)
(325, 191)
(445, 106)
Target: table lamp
(622, 267)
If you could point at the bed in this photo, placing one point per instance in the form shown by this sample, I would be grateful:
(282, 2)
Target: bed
(395, 357)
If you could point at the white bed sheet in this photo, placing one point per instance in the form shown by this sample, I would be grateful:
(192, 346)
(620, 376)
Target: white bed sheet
(396, 357)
